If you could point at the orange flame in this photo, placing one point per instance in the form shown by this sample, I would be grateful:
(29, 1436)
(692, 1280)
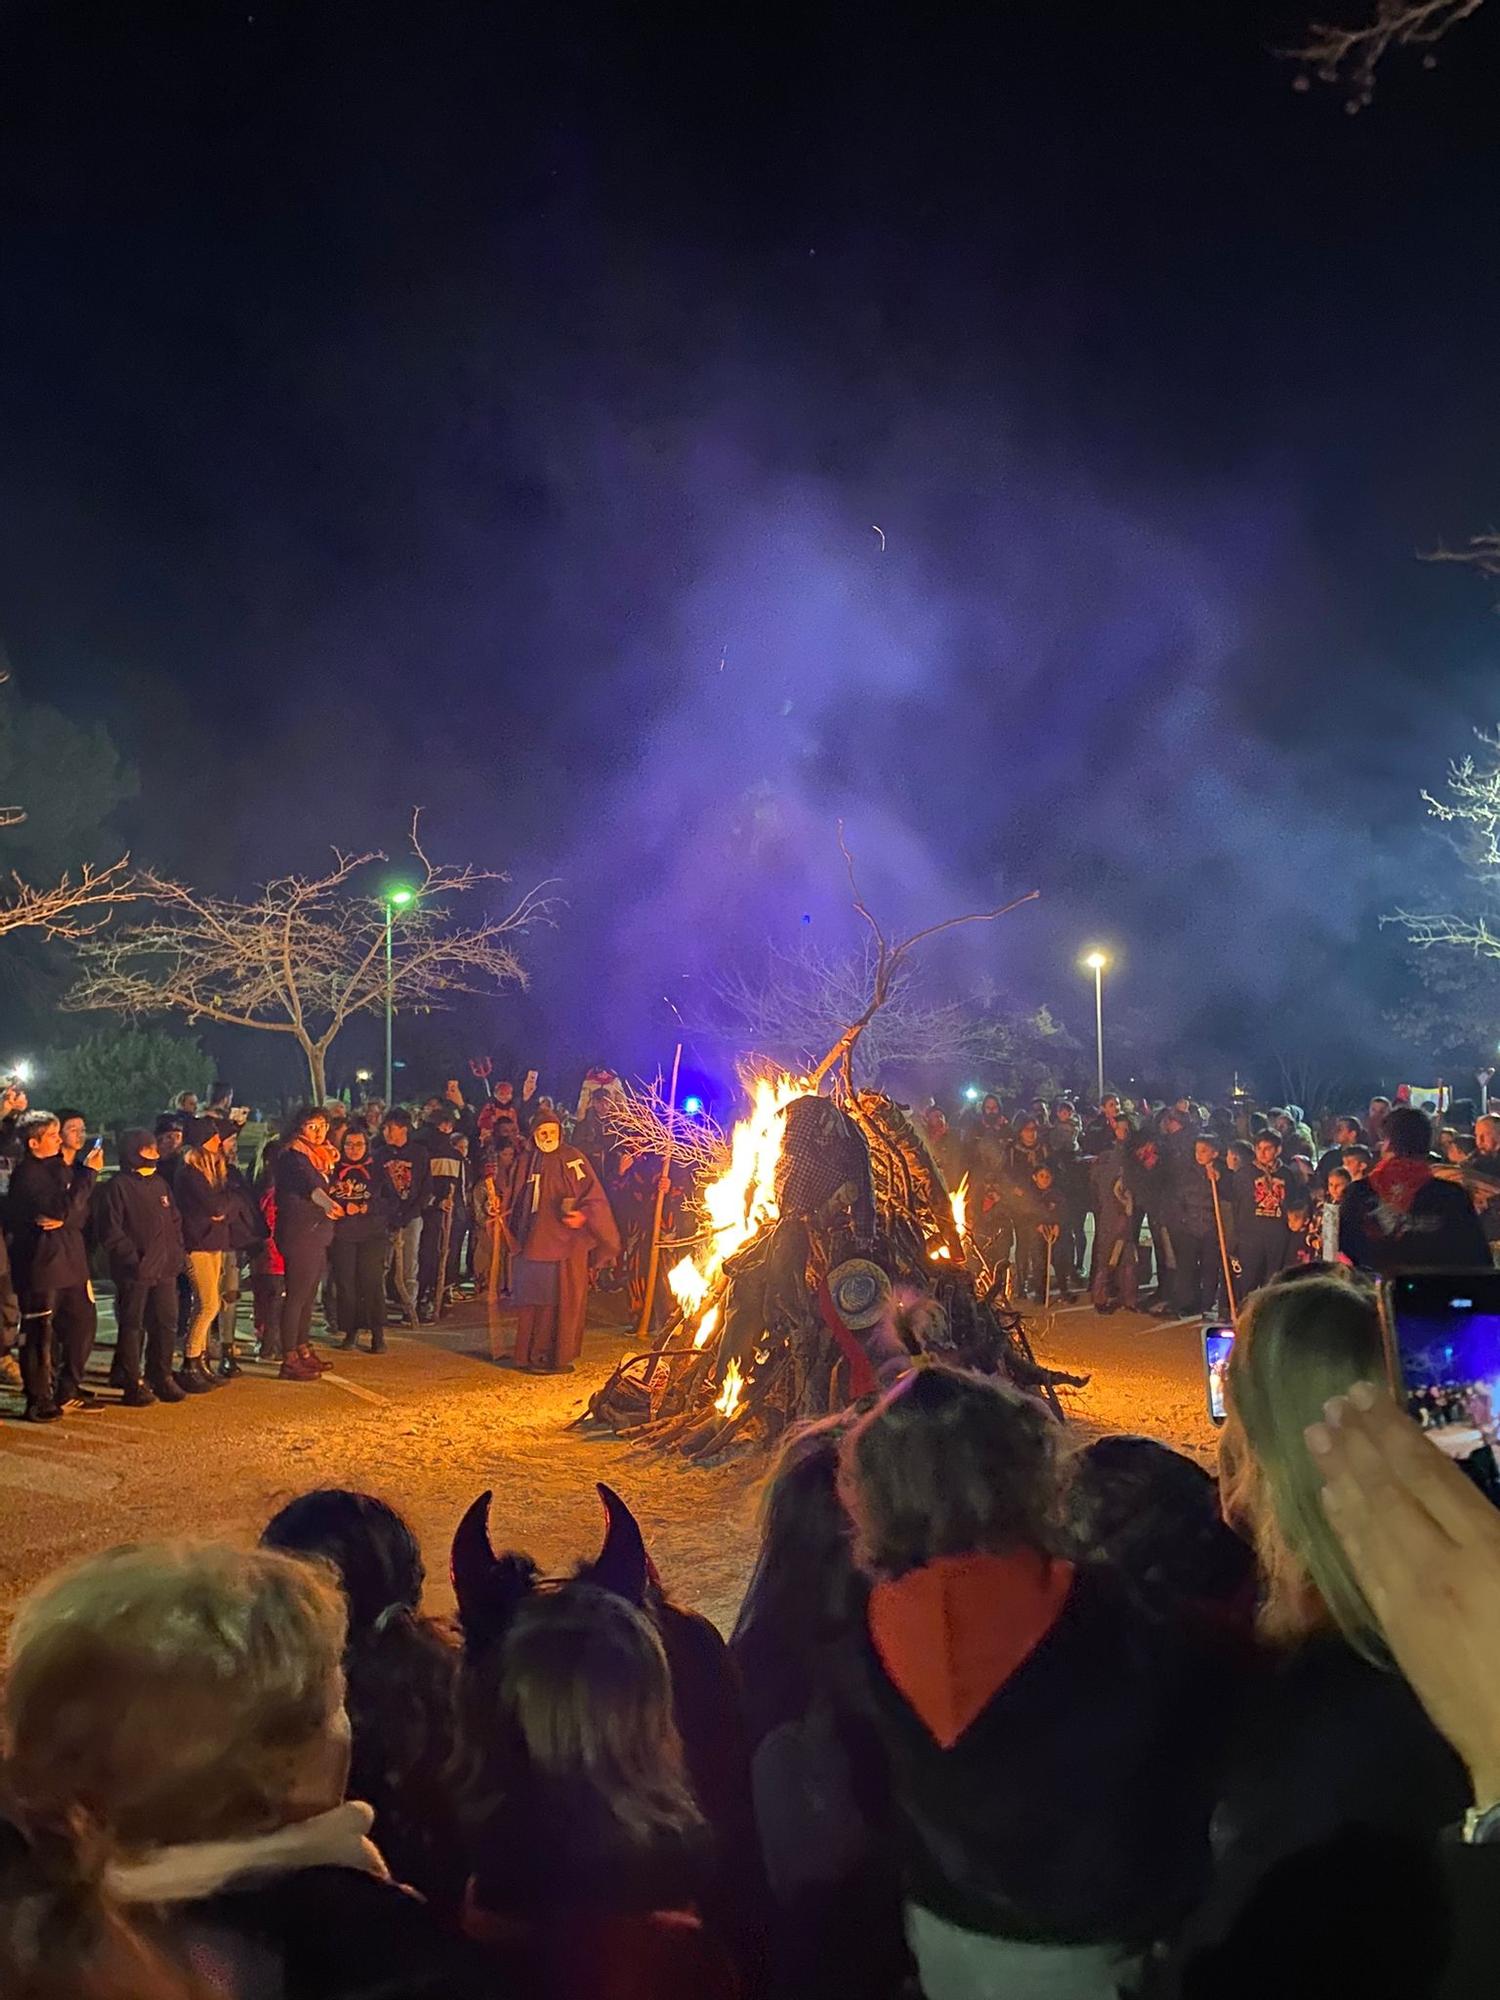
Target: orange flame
(738, 1205)
(706, 1326)
(959, 1202)
(733, 1392)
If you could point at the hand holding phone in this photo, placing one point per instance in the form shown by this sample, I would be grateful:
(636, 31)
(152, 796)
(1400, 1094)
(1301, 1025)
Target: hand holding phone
(1218, 1345)
(1442, 1340)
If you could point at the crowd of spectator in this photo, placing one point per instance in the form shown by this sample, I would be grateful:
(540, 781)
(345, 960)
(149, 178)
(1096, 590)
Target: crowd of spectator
(376, 1213)
(1208, 1204)
(998, 1718)
(1001, 1717)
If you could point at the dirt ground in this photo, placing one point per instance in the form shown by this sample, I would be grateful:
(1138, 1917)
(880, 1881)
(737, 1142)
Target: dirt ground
(433, 1422)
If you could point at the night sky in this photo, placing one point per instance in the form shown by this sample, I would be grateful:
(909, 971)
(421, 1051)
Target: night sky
(493, 408)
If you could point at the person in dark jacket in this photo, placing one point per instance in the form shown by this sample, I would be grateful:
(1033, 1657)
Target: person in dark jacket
(991, 1222)
(592, 1861)
(1401, 1216)
(437, 1137)
(202, 1747)
(1195, 1231)
(200, 1188)
(137, 1226)
(1267, 1195)
(1117, 1224)
(46, 1211)
(402, 1173)
(400, 1671)
(1329, 1739)
(248, 1231)
(360, 1244)
(835, 1910)
(305, 1215)
(1050, 1815)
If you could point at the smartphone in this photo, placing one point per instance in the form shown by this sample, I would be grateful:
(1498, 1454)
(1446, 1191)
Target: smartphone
(1442, 1344)
(1217, 1343)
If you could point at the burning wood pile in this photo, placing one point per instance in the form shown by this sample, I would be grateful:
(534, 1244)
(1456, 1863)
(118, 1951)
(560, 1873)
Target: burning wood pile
(829, 1255)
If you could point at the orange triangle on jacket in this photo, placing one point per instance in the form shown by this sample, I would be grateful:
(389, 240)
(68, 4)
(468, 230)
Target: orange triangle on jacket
(951, 1634)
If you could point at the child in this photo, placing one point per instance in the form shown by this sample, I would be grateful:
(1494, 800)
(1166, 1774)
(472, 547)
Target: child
(1038, 1236)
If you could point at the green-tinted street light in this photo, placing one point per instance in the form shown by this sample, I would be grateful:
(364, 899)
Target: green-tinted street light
(396, 898)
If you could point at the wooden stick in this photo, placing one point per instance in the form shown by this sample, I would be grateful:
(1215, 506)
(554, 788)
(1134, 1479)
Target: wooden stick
(1213, 1188)
(643, 1331)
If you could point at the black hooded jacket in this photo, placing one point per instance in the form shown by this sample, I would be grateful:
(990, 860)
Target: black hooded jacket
(136, 1223)
(49, 1260)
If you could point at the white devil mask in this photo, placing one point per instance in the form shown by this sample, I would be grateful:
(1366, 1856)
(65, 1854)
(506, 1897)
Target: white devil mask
(547, 1137)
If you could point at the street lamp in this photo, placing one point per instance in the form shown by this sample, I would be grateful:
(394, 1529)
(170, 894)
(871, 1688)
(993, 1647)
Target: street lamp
(1096, 962)
(395, 899)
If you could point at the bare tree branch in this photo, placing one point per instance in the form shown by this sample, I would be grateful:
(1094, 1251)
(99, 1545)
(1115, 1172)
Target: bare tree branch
(306, 954)
(74, 907)
(886, 969)
(1350, 56)
(1480, 552)
(638, 1118)
(1470, 813)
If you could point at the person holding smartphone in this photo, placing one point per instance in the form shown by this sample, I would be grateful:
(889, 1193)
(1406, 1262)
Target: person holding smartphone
(46, 1210)
(1330, 1743)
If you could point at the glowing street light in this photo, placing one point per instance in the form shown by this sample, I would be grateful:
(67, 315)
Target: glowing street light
(395, 898)
(1096, 962)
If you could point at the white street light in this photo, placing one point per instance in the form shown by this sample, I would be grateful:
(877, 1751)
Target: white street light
(1096, 962)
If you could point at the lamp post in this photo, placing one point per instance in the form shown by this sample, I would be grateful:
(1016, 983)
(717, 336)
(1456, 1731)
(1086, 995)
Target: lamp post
(1096, 962)
(395, 899)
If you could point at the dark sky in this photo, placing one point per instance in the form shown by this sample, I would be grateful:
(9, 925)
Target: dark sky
(493, 408)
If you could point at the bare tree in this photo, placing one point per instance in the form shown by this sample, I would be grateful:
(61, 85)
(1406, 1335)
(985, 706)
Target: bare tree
(1351, 55)
(804, 999)
(74, 907)
(1471, 814)
(307, 954)
(888, 966)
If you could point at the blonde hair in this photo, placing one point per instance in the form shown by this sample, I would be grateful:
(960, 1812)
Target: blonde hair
(160, 1695)
(211, 1165)
(1295, 1347)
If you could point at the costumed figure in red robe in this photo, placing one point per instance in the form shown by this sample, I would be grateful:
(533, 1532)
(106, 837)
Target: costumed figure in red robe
(559, 1219)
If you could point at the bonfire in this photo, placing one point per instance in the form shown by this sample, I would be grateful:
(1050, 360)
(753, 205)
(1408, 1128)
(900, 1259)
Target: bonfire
(828, 1255)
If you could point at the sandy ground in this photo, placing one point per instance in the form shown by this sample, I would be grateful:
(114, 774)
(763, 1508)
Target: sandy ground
(433, 1422)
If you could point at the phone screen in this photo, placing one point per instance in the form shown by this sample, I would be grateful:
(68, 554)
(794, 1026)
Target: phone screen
(1217, 1343)
(1442, 1332)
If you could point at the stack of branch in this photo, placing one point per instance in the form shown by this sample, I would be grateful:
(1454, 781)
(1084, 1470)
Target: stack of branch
(768, 1330)
(875, 1193)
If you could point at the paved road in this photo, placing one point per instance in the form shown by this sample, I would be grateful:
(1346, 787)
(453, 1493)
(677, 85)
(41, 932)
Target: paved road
(432, 1422)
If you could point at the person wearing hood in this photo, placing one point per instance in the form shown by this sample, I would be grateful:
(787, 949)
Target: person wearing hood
(559, 1217)
(137, 1226)
(1401, 1216)
(1049, 1821)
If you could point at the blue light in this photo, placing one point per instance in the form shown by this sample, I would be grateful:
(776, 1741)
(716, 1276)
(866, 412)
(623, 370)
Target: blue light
(972, 1093)
(692, 1107)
